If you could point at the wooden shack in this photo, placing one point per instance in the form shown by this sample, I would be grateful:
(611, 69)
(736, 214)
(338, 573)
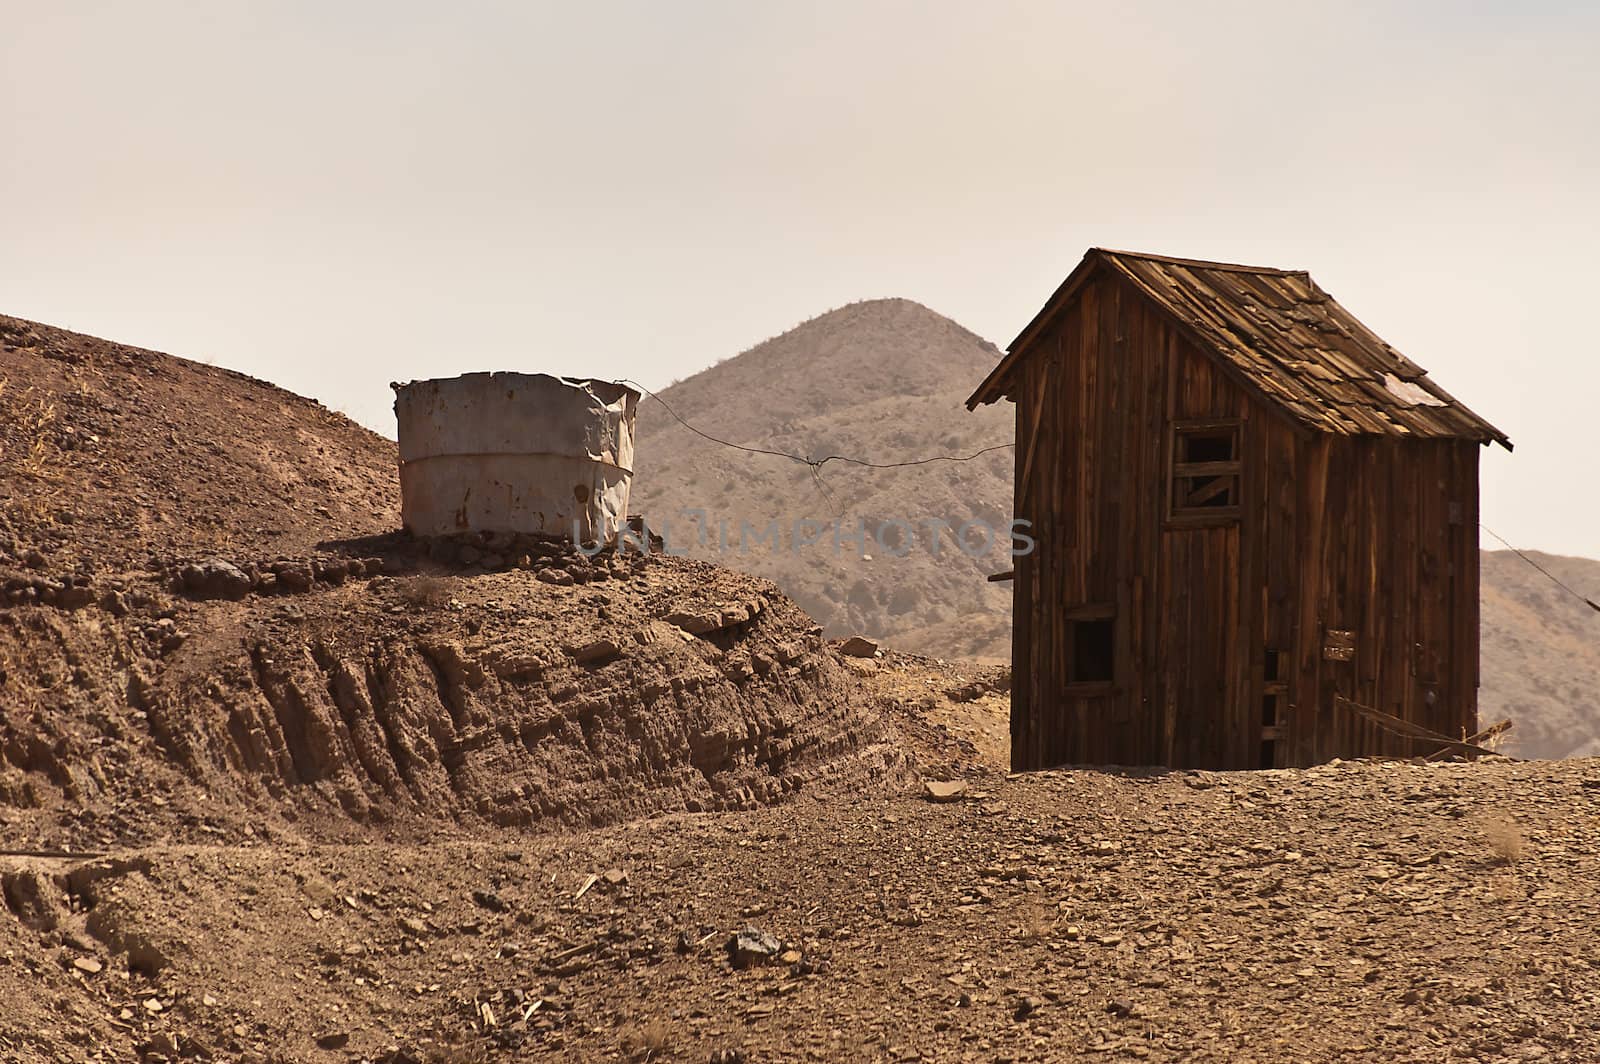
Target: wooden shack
(1249, 512)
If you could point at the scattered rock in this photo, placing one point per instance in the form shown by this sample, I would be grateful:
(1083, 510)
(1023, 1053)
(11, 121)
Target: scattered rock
(944, 790)
(859, 647)
(74, 598)
(596, 651)
(213, 578)
(751, 947)
(485, 899)
(694, 623)
(295, 577)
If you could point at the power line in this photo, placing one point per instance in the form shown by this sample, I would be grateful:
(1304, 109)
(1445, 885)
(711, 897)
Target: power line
(815, 463)
(1551, 576)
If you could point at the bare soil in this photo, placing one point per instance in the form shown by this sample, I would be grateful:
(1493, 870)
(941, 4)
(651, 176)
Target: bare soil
(1367, 912)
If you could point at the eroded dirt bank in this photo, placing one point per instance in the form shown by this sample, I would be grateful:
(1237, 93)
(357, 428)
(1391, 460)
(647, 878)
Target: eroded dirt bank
(516, 698)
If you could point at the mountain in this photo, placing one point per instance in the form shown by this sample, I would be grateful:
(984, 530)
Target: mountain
(882, 380)
(886, 379)
(1541, 654)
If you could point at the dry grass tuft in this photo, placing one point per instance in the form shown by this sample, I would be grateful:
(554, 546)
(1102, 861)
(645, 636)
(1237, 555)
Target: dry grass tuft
(34, 422)
(427, 590)
(1505, 838)
(649, 1040)
(1039, 920)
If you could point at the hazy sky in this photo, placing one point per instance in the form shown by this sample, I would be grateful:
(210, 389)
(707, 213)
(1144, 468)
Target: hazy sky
(336, 195)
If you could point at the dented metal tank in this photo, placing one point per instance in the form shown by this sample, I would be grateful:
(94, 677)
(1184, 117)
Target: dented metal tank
(515, 452)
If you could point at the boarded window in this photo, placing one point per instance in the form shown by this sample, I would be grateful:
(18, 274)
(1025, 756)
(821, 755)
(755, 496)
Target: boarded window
(1205, 481)
(1091, 645)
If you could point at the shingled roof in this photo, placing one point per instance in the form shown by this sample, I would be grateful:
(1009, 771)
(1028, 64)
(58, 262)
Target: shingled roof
(1283, 338)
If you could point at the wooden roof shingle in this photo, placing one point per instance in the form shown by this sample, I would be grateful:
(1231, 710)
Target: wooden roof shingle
(1281, 337)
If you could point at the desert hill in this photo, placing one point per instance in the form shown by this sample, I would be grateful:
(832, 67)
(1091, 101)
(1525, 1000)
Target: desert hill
(882, 380)
(887, 379)
(1541, 654)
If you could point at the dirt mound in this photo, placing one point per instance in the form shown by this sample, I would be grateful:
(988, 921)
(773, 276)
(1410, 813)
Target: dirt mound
(498, 696)
(111, 455)
(206, 627)
(883, 380)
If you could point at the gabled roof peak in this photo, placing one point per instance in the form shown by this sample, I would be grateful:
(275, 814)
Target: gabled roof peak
(1282, 338)
(1200, 263)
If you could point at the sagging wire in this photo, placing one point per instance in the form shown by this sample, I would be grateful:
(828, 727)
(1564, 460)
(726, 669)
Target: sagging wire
(813, 464)
(1548, 574)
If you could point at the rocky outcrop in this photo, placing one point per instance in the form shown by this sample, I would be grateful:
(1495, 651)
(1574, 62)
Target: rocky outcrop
(498, 697)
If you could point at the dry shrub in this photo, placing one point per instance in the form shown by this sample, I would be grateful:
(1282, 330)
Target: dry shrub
(34, 423)
(1038, 919)
(1505, 838)
(649, 1040)
(426, 590)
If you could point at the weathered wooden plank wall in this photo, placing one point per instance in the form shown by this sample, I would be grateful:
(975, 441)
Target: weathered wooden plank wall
(1361, 534)
(1399, 569)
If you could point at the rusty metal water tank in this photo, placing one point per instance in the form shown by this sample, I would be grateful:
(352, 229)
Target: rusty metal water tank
(515, 452)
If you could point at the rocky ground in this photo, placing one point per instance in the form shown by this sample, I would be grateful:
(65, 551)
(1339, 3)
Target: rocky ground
(1388, 911)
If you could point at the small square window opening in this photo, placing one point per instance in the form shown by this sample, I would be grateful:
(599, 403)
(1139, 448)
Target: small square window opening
(1093, 646)
(1205, 470)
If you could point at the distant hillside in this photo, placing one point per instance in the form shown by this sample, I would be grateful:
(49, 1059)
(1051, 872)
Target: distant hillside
(883, 380)
(886, 379)
(1541, 654)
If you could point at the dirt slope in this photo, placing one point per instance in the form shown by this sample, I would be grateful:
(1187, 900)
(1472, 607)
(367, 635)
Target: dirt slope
(883, 380)
(110, 454)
